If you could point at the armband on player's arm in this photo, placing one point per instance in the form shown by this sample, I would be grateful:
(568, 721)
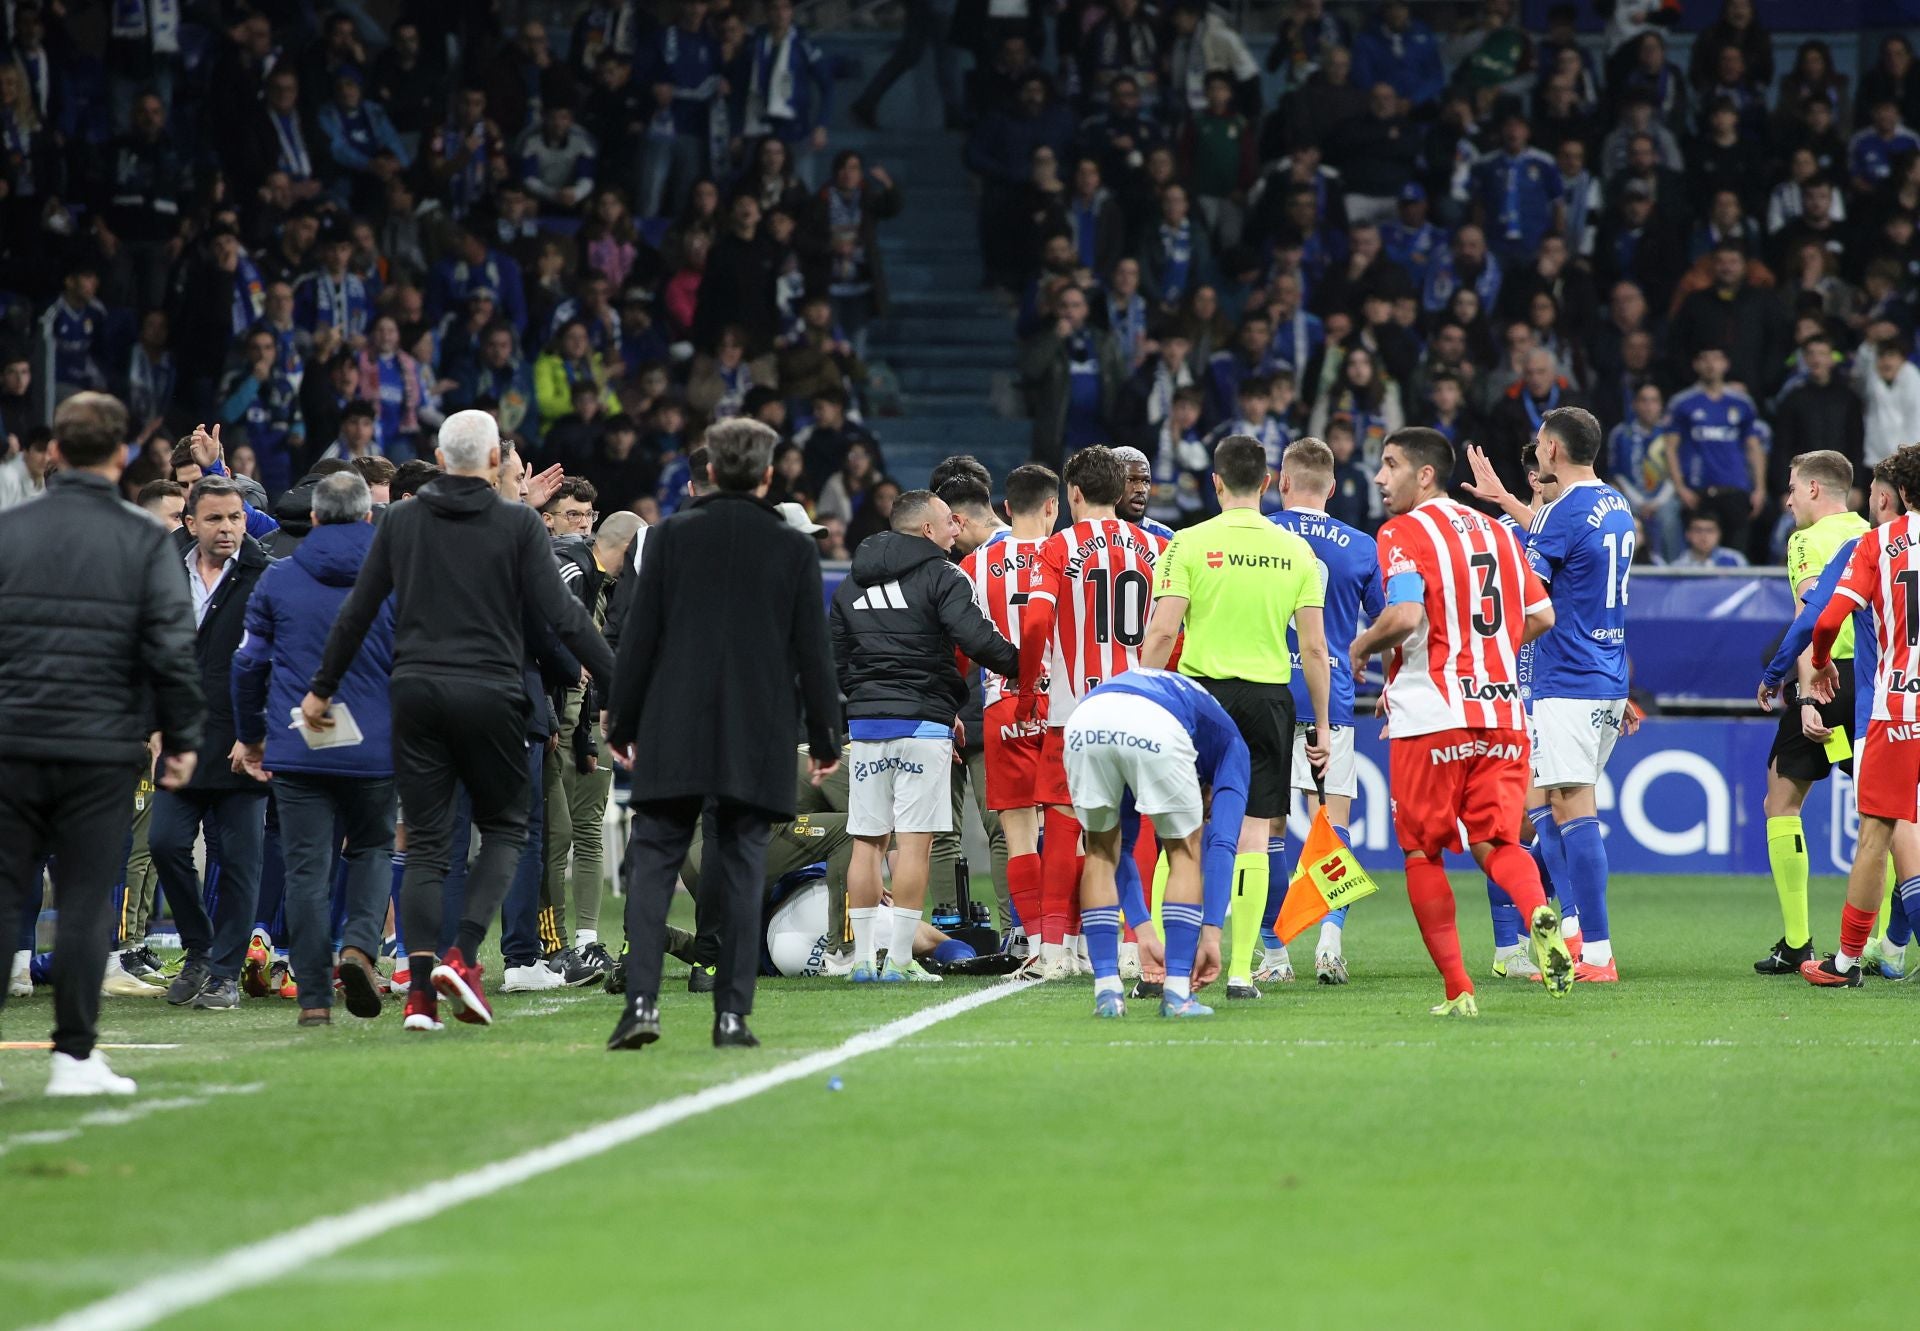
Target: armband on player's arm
(1406, 588)
(1828, 626)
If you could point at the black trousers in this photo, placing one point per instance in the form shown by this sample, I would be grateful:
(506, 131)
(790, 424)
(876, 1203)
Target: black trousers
(449, 732)
(79, 813)
(733, 867)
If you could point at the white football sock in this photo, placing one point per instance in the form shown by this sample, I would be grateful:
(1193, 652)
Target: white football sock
(1597, 953)
(1330, 938)
(585, 937)
(866, 921)
(1106, 985)
(1844, 963)
(906, 922)
(1569, 925)
(1181, 987)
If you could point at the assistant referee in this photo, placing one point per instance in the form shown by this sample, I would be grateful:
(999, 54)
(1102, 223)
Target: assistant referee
(1234, 581)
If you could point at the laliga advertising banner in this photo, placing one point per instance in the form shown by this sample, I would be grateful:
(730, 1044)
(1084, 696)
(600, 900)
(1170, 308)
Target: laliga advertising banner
(1680, 796)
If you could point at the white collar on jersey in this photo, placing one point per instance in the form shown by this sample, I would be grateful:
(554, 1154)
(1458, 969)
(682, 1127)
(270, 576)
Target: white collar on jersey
(1310, 512)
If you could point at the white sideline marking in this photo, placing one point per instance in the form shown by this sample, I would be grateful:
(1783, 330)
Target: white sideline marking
(261, 1263)
(131, 1112)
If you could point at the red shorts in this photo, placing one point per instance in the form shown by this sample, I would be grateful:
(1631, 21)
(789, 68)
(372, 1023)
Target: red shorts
(1013, 757)
(1050, 780)
(1886, 771)
(1476, 777)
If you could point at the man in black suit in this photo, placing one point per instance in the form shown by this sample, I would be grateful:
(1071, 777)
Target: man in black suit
(727, 614)
(222, 564)
(96, 650)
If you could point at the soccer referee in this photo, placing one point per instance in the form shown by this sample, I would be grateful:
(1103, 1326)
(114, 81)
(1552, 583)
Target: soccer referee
(1234, 581)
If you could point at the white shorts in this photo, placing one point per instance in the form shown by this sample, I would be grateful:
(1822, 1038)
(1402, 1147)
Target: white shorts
(900, 785)
(1572, 739)
(1340, 777)
(1116, 742)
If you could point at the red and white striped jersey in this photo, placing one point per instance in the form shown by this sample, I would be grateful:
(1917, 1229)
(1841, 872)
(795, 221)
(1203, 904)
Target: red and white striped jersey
(1459, 670)
(1003, 575)
(1884, 575)
(1099, 575)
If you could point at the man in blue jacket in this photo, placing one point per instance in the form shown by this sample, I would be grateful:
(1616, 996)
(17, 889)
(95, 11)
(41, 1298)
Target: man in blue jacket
(318, 789)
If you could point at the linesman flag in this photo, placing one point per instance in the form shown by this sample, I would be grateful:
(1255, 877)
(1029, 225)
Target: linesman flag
(1329, 878)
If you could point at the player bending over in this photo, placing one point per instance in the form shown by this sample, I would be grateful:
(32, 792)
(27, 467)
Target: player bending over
(1152, 738)
(1461, 601)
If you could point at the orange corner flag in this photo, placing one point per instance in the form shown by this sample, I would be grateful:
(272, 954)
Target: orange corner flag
(1329, 878)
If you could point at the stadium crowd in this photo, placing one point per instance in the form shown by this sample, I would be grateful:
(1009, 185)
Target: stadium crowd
(335, 279)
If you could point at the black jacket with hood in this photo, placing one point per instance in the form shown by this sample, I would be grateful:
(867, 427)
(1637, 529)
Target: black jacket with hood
(462, 563)
(896, 623)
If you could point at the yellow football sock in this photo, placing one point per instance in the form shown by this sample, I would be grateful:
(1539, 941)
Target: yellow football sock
(1787, 857)
(1250, 880)
(1886, 904)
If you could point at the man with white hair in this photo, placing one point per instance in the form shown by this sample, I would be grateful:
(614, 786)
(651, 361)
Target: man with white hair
(461, 563)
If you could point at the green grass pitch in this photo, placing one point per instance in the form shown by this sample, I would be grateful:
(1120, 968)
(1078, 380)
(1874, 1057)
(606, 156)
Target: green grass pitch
(1696, 1147)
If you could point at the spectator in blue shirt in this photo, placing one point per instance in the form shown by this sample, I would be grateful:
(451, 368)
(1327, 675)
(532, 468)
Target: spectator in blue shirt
(262, 400)
(500, 375)
(1703, 549)
(364, 146)
(1516, 194)
(1411, 241)
(1719, 464)
(472, 264)
(334, 297)
(683, 68)
(1871, 154)
(789, 88)
(1401, 50)
(73, 332)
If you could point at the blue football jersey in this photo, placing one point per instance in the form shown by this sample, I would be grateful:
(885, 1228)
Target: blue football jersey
(1582, 548)
(1710, 437)
(1350, 587)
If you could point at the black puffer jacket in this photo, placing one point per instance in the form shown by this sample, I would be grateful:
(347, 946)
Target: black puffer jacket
(896, 623)
(96, 630)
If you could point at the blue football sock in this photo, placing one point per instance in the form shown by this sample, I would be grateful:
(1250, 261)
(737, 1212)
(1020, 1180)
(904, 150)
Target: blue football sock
(1133, 893)
(1906, 907)
(1506, 916)
(1899, 927)
(1550, 853)
(1100, 926)
(1181, 921)
(1587, 868)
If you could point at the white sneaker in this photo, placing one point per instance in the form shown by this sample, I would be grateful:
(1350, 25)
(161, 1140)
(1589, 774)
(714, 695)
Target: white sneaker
(1129, 961)
(531, 979)
(20, 978)
(1018, 945)
(86, 1076)
(1513, 963)
(118, 984)
(1275, 967)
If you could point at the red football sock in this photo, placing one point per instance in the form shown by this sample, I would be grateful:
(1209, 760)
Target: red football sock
(1856, 926)
(1432, 898)
(1519, 877)
(1059, 874)
(1023, 885)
